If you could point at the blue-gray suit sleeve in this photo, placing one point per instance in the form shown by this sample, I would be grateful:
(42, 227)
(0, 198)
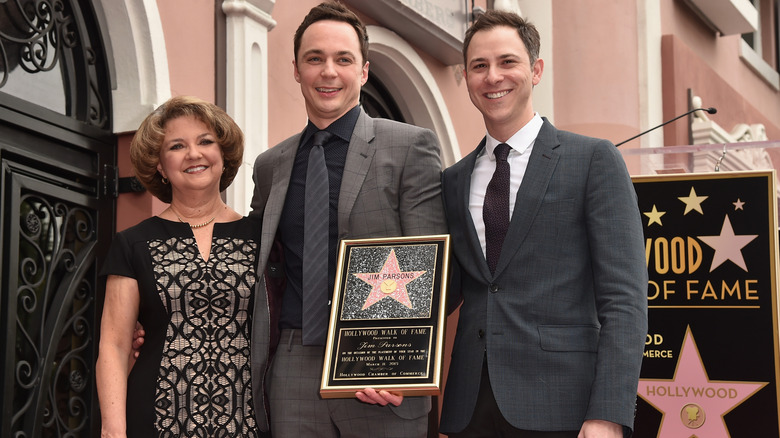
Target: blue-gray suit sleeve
(615, 236)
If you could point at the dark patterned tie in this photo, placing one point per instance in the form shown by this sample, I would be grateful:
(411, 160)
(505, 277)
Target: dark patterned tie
(495, 211)
(316, 228)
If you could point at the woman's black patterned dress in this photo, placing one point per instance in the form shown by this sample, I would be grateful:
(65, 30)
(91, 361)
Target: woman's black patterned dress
(193, 375)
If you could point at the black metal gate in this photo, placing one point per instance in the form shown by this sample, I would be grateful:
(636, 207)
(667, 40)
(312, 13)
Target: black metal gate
(57, 204)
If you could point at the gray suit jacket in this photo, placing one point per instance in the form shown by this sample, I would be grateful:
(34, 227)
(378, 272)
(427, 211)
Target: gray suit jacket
(391, 186)
(563, 320)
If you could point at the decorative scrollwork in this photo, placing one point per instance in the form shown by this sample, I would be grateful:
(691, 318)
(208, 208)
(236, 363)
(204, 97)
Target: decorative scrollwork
(44, 35)
(71, 370)
(26, 374)
(32, 223)
(77, 381)
(31, 37)
(57, 356)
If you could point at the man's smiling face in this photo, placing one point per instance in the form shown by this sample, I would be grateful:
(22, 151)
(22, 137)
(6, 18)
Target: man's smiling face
(331, 70)
(500, 80)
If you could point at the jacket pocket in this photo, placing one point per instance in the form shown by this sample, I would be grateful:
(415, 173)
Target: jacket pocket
(569, 338)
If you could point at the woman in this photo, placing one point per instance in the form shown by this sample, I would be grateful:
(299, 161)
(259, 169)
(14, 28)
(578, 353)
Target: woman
(188, 276)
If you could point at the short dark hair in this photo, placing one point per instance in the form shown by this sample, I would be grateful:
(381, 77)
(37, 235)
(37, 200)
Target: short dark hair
(493, 18)
(147, 141)
(335, 11)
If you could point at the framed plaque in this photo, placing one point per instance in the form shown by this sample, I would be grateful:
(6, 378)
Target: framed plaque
(387, 317)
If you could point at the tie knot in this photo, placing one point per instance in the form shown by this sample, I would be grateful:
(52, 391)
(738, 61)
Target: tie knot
(320, 138)
(501, 151)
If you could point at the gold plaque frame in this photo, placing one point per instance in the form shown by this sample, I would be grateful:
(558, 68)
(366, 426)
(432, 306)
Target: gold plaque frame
(388, 315)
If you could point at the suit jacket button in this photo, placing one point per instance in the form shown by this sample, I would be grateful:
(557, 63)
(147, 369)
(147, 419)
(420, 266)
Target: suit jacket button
(493, 288)
(481, 333)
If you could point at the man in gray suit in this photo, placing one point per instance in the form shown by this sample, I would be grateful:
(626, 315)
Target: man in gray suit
(551, 271)
(384, 180)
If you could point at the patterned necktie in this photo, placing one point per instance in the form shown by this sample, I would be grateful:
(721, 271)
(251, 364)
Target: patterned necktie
(316, 228)
(495, 211)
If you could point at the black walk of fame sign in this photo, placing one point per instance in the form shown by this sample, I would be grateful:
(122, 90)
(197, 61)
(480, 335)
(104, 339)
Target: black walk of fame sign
(710, 366)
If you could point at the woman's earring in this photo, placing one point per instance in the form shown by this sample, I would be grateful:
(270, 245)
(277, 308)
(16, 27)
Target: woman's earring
(164, 180)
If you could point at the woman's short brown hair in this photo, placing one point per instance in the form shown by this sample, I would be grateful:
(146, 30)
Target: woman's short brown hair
(146, 144)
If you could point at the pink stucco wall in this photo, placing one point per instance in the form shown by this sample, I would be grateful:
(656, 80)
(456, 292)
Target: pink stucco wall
(188, 26)
(596, 68)
(694, 57)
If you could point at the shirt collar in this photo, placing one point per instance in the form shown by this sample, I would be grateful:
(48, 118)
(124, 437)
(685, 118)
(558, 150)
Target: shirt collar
(521, 141)
(342, 127)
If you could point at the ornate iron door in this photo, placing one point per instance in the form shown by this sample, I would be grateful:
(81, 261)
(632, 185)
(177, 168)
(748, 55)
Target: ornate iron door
(49, 319)
(57, 204)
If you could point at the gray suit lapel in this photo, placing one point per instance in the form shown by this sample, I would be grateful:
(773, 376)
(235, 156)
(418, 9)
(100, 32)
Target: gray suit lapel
(359, 157)
(541, 166)
(282, 169)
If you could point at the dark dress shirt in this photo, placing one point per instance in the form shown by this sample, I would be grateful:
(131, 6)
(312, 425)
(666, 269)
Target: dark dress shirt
(291, 224)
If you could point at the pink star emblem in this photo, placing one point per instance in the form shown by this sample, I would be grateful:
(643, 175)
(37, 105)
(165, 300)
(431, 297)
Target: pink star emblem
(728, 246)
(389, 282)
(693, 405)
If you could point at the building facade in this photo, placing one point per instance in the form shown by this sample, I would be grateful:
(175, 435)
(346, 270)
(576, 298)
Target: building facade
(78, 76)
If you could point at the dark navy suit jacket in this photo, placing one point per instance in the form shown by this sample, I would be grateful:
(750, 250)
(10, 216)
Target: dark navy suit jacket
(563, 320)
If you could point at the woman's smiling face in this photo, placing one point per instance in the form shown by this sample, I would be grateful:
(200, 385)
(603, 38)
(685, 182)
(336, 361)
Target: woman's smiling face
(190, 157)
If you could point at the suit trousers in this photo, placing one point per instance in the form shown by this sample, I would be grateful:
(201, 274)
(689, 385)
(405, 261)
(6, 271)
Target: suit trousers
(298, 411)
(488, 421)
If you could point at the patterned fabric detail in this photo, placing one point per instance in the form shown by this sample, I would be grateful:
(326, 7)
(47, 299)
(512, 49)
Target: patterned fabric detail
(203, 389)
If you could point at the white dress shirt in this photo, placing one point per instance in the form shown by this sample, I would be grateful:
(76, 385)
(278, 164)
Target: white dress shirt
(520, 145)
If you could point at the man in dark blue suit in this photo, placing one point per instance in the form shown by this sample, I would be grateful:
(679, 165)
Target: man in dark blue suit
(550, 265)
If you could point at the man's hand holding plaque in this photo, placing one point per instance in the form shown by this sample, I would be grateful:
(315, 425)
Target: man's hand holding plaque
(374, 397)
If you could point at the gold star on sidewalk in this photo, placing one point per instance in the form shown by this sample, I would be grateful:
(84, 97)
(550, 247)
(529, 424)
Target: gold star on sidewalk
(692, 202)
(655, 216)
